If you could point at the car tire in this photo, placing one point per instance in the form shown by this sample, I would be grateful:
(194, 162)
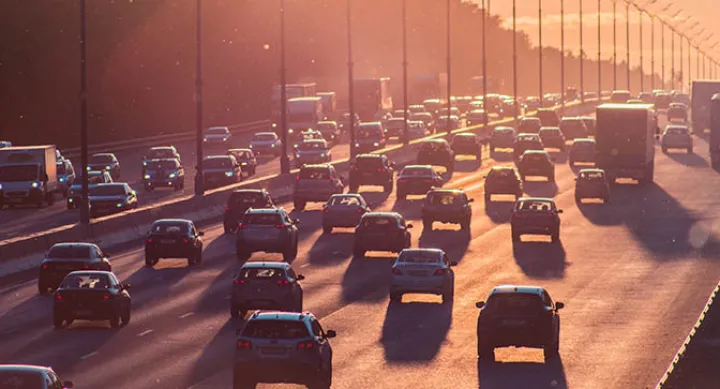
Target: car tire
(427, 224)
(227, 229)
(299, 205)
(488, 198)
(125, 317)
(486, 353)
(115, 320)
(58, 321)
(327, 229)
(551, 351)
(555, 237)
(235, 311)
(323, 380)
(448, 295)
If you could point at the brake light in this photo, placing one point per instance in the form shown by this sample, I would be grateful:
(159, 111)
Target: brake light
(283, 282)
(280, 226)
(360, 210)
(44, 266)
(106, 296)
(331, 178)
(149, 240)
(305, 345)
(396, 271)
(440, 272)
(186, 240)
(381, 170)
(242, 226)
(227, 208)
(86, 267)
(244, 344)
(298, 177)
(326, 210)
(58, 297)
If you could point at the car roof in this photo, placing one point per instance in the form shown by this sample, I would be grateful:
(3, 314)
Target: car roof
(279, 315)
(549, 128)
(239, 150)
(436, 140)
(531, 119)
(382, 214)
(74, 244)
(218, 128)
(241, 191)
(103, 155)
(583, 140)
(264, 211)
(265, 265)
(446, 190)
(24, 368)
(264, 133)
(369, 155)
(502, 168)
(91, 272)
(504, 128)
(423, 250)
(370, 124)
(316, 166)
(162, 159)
(591, 170)
(522, 289)
(327, 122)
(123, 184)
(465, 135)
(162, 148)
(544, 152)
(541, 199)
(207, 157)
(418, 167)
(159, 221)
(342, 195)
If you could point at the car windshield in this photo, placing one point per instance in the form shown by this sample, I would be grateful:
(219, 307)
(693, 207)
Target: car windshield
(275, 329)
(535, 205)
(416, 172)
(368, 132)
(314, 174)
(161, 153)
(515, 302)
(170, 228)
(307, 146)
(534, 156)
(262, 219)
(421, 116)
(444, 198)
(86, 281)
(419, 257)
(395, 124)
(386, 222)
(676, 131)
(241, 154)
(266, 274)
(504, 173)
(263, 137)
(70, 252)
(163, 165)
(21, 380)
(432, 146)
(217, 163)
(101, 158)
(369, 163)
(550, 132)
(241, 199)
(676, 112)
(345, 201)
(107, 190)
(217, 131)
(583, 145)
(592, 175)
(18, 173)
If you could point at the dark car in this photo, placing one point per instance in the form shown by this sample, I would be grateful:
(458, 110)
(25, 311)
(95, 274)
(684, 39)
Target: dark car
(91, 295)
(164, 173)
(105, 161)
(447, 124)
(241, 200)
(372, 169)
(267, 230)
(74, 195)
(573, 128)
(502, 138)
(537, 216)
(220, 170)
(677, 112)
(518, 316)
(620, 97)
(525, 142)
(266, 285)
(416, 180)
(476, 117)
(395, 127)
(467, 144)
(161, 152)
(436, 152)
(110, 198)
(63, 258)
(552, 138)
(173, 238)
(447, 206)
(582, 151)
(548, 117)
(381, 231)
(536, 163)
(529, 125)
(503, 180)
(316, 183)
(344, 122)
(425, 117)
(662, 101)
(283, 347)
(343, 210)
(369, 136)
(590, 124)
(246, 158)
(592, 184)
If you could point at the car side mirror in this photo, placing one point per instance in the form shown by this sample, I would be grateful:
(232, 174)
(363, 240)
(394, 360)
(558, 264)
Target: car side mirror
(201, 233)
(126, 286)
(300, 277)
(453, 263)
(471, 200)
(296, 221)
(409, 226)
(68, 385)
(330, 334)
(559, 306)
(480, 304)
(560, 211)
(553, 159)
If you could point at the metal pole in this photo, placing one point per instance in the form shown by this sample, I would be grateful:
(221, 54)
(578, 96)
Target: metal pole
(642, 71)
(199, 178)
(284, 161)
(652, 52)
(484, 61)
(662, 52)
(599, 51)
(614, 45)
(406, 134)
(514, 27)
(672, 59)
(351, 91)
(689, 63)
(562, 53)
(540, 51)
(697, 62)
(84, 204)
(582, 56)
(681, 75)
(449, 68)
(627, 42)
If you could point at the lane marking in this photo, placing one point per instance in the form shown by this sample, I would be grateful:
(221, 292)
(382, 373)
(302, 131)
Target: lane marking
(304, 265)
(146, 332)
(86, 356)
(184, 315)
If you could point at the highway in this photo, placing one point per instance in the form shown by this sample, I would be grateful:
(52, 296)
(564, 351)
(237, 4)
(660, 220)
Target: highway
(633, 274)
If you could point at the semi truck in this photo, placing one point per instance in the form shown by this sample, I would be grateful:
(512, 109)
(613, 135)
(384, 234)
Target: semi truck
(428, 86)
(714, 140)
(28, 175)
(329, 104)
(291, 91)
(625, 137)
(702, 92)
(373, 99)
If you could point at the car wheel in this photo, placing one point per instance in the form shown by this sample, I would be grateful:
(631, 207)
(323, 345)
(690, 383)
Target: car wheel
(551, 351)
(486, 353)
(327, 229)
(43, 289)
(125, 318)
(227, 229)
(323, 379)
(299, 205)
(427, 224)
(488, 197)
(448, 295)
(235, 310)
(58, 320)
(115, 320)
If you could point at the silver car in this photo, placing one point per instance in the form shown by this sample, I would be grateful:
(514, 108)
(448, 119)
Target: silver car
(343, 210)
(31, 377)
(217, 136)
(66, 175)
(422, 271)
(312, 151)
(266, 143)
(676, 136)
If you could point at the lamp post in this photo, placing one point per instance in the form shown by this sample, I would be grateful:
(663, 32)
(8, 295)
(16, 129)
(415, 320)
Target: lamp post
(284, 161)
(562, 53)
(614, 44)
(582, 54)
(627, 41)
(540, 51)
(599, 51)
(642, 71)
(662, 44)
(84, 204)
(449, 69)
(351, 86)
(486, 11)
(652, 52)
(406, 134)
(514, 27)
(199, 179)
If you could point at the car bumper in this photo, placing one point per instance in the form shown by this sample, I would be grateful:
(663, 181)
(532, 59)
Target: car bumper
(535, 228)
(169, 252)
(261, 247)
(518, 337)
(431, 285)
(277, 371)
(91, 311)
(158, 183)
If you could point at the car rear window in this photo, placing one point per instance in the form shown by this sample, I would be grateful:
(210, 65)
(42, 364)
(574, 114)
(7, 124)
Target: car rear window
(345, 201)
(263, 137)
(86, 281)
(161, 153)
(241, 154)
(215, 163)
(444, 198)
(170, 228)
(160, 165)
(217, 131)
(262, 274)
(677, 131)
(583, 145)
(387, 222)
(592, 175)
(108, 190)
(432, 146)
(263, 219)
(534, 156)
(314, 174)
(504, 173)
(101, 158)
(369, 162)
(69, 252)
(368, 132)
(419, 257)
(552, 132)
(275, 329)
(515, 302)
(416, 172)
(21, 380)
(238, 199)
(535, 205)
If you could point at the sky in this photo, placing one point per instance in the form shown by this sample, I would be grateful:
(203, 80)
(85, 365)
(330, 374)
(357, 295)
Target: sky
(702, 11)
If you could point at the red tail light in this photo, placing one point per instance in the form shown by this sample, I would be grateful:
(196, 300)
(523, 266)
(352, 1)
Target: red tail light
(86, 267)
(58, 297)
(44, 266)
(396, 271)
(186, 240)
(149, 240)
(305, 345)
(242, 226)
(381, 170)
(106, 296)
(239, 282)
(440, 272)
(227, 208)
(298, 177)
(331, 178)
(280, 226)
(360, 210)
(283, 282)
(244, 344)
(326, 210)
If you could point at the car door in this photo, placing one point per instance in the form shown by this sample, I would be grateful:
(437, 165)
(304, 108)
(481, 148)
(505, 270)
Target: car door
(322, 341)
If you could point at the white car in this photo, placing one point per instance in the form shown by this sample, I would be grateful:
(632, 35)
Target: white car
(265, 143)
(217, 136)
(676, 136)
(4, 144)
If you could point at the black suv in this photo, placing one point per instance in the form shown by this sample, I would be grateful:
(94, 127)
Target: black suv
(574, 128)
(536, 163)
(529, 126)
(63, 258)
(467, 144)
(503, 180)
(267, 230)
(535, 216)
(524, 142)
(266, 285)
(518, 316)
(91, 295)
(447, 206)
(372, 169)
(381, 231)
(246, 158)
(436, 152)
(548, 117)
(173, 238)
(552, 138)
(241, 200)
(592, 184)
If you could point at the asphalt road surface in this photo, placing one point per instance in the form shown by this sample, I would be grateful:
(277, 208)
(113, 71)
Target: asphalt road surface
(634, 275)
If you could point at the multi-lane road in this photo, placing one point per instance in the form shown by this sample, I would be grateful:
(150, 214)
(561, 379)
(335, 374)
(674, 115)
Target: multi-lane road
(634, 274)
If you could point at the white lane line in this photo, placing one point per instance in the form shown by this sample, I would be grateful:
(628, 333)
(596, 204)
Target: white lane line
(304, 265)
(184, 315)
(146, 332)
(86, 356)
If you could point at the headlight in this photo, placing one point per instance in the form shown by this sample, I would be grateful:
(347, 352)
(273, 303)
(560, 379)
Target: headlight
(225, 139)
(119, 205)
(357, 144)
(172, 175)
(71, 200)
(147, 176)
(243, 164)
(88, 168)
(145, 162)
(204, 139)
(228, 174)
(35, 184)
(376, 144)
(62, 179)
(290, 131)
(251, 146)
(323, 155)
(108, 167)
(297, 156)
(273, 145)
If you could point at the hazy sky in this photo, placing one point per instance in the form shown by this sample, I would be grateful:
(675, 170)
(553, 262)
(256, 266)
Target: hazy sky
(703, 11)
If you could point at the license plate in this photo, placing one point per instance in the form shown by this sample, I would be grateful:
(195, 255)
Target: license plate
(83, 312)
(511, 322)
(273, 350)
(417, 273)
(367, 174)
(167, 241)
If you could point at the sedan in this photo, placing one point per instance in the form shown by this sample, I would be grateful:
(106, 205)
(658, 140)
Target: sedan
(173, 238)
(105, 161)
(63, 258)
(422, 271)
(111, 198)
(91, 295)
(676, 137)
(343, 210)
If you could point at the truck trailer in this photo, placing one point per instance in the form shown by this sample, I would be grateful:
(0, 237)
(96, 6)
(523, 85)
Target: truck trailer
(702, 92)
(714, 140)
(28, 175)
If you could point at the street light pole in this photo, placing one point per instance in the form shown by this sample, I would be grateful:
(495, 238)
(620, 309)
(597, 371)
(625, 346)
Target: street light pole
(351, 86)
(514, 27)
(672, 57)
(642, 71)
(614, 44)
(599, 51)
(562, 53)
(406, 134)
(540, 51)
(627, 41)
(662, 53)
(84, 204)
(449, 68)
(652, 52)
(486, 10)
(582, 56)
(284, 161)
(199, 179)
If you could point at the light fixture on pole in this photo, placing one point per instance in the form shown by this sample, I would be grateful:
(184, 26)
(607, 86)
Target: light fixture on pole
(582, 54)
(514, 35)
(562, 53)
(406, 133)
(599, 51)
(449, 68)
(614, 44)
(486, 13)
(627, 41)
(540, 53)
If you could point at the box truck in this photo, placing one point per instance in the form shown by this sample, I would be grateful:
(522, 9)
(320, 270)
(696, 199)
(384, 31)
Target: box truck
(28, 175)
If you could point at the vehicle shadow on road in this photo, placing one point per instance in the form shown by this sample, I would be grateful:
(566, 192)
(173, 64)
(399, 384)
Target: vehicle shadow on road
(558, 157)
(26, 317)
(540, 188)
(332, 249)
(690, 160)
(366, 276)
(467, 165)
(375, 199)
(540, 260)
(500, 211)
(206, 365)
(414, 331)
(454, 242)
(514, 375)
(410, 208)
(502, 156)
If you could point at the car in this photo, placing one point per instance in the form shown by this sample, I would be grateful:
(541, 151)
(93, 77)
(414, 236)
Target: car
(548, 117)
(164, 173)
(241, 200)
(316, 183)
(395, 128)
(635, 101)
(304, 136)
(266, 143)
(552, 138)
(647, 97)
(217, 137)
(592, 184)
(417, 180)
(66, 175)
(174, 238)
(682, 98)
(312, 151)
(343, 210)
(369, 136)
(267, 230)
(467, 143)
(381, 231)
(620, 97)
(529, 125)
(107, 162)
(63, 258)
(344, 122)
(436, 152)
(443, 112)
(329, 131)
(161, 152)
(283, 347)
(590, 124)
(268, 286)
(518, 316)
(372, 169)
(536, 163)
(445, 124)
(32, 377)
(91, 295)
(432, 105)
(425, 117)
(502, 137)
(662, 100)
(417, 129)
(476, 117)
(447, 206)
(247, 160)
(535, 215)
(220, 170)
(74, 195)
(399, 113)
(503, 180)
(416, 108)
(676, 136)
(677, 112)
(111, 198)
(582, 150)
(5, 143)
(525, 142)
(423, 270)
(573, 128)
